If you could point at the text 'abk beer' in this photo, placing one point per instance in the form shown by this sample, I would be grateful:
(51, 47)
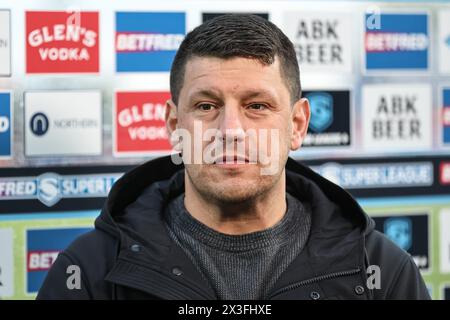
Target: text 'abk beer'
(396, 118)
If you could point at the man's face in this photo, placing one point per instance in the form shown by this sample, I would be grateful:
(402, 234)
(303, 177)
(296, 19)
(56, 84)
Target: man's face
(235, 97)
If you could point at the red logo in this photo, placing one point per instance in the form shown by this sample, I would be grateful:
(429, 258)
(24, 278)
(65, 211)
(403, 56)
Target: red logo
(445, 172)
(62, 42)
(139, 123)
(446, 116)
(41, 260)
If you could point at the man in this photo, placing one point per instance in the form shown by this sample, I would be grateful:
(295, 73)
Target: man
(235, 221)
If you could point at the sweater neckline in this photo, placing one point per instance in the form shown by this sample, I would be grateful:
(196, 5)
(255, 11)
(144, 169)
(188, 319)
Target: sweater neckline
(278, 234)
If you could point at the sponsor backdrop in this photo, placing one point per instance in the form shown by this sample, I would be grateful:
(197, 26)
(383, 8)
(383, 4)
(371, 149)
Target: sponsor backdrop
(83, 87)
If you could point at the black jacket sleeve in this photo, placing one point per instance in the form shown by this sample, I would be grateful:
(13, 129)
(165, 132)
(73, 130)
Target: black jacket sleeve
(400, 277)
(408, 284)
(57, 283)
(94, 254)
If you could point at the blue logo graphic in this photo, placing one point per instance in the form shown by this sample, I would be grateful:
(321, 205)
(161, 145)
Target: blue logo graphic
(399, 230)
(148, 41)
(5, 124)
(402, 43)
(43, 247)
(39, 124)
(321, 110)
(446, 115)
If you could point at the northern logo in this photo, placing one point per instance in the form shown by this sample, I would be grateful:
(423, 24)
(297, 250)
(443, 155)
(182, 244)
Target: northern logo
(39, 124)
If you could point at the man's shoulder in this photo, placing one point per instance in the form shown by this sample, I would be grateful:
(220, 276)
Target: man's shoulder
(89, 257)
(400, 277)
(94, 245)
(383, 251)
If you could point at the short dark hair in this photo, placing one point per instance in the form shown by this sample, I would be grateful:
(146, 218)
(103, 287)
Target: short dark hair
(238, 35)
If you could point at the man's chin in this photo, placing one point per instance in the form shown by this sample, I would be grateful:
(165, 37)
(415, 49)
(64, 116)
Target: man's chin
(232, 195)
(235, 170)
(231, 186)
(234, 189)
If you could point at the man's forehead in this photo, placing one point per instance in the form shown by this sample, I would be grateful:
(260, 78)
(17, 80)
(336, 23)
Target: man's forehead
(209, 75)
(206, 66)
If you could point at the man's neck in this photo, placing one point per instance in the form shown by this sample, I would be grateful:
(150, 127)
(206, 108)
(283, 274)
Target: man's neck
(254, 215)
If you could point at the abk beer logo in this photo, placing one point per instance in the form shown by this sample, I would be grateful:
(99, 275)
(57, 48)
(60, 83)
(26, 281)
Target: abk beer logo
(5, 125)
(62, 42)
(444, 243)
(5, 43)
(322, 41)
(148, 41)
(139, 123)
(444, 40)
(410, 233)
(330, 118)
(43, 247)
(211, 15)
(6, 263)
(446, 116)
(50, 187)
(401, 43)
(63, 123)
(397, 117)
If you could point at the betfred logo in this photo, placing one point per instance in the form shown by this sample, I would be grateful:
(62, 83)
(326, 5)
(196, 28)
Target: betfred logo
(43, 247)
(5, 124)
(446, 116)
(62, 42)
(401, 43)
(148, 41)
(445, 173)
(41, 260)
(139, 123)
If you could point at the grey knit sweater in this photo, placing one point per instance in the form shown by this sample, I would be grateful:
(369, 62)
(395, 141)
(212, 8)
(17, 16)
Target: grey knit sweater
(240, 266)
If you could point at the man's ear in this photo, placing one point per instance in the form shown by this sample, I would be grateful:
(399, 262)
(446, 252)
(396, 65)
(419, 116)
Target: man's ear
(171, 117)
(300, 116)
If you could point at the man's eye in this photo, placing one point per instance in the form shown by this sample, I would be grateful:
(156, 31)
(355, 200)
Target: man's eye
(205, 106)
(257, 106)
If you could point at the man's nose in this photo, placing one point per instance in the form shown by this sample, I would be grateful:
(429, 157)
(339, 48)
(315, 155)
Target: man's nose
(231, 125)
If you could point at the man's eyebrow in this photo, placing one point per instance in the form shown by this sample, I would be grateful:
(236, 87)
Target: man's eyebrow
(251, 94)
(246, 95)
(207, 93)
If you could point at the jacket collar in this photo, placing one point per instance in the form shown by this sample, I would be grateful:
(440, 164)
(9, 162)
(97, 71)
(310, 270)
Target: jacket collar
(133, 214)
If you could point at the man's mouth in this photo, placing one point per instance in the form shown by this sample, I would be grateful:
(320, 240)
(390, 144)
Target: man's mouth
(230, 159)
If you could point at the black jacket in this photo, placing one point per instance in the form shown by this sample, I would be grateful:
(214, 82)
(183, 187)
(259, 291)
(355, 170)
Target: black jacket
(129, 255)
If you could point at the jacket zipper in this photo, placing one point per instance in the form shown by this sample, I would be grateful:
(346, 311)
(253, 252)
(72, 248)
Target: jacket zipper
(316, 279)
